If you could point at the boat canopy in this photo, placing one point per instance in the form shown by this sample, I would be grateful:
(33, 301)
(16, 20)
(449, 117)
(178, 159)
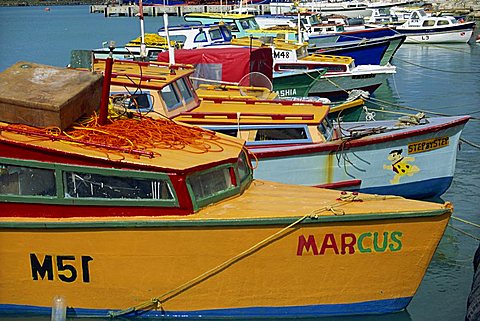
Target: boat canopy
(214, 64)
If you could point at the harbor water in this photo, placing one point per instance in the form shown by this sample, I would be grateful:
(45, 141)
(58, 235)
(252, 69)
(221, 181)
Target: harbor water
(436, 79)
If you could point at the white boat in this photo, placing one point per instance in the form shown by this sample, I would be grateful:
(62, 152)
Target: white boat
(423, 28)
(196, 36)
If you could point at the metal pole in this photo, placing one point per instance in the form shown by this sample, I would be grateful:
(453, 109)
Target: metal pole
(107, 77)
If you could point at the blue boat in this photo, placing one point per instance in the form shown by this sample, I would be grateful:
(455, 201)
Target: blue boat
(370, 46)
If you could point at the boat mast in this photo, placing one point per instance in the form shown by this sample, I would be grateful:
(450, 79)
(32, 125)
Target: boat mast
(171, 50)
(143, 47)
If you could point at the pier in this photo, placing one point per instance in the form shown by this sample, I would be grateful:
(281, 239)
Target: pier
(177, 10)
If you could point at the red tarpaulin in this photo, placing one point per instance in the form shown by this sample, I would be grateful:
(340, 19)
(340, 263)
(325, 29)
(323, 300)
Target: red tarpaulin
(226, 64)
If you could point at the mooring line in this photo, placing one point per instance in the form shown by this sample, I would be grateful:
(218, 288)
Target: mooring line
(462, 231)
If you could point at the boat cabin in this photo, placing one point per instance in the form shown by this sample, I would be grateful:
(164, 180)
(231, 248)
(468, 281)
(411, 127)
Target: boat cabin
(264, 123)
(195, 36)
(421, 19)
(239, 24)
(333, 64)
(151, 87)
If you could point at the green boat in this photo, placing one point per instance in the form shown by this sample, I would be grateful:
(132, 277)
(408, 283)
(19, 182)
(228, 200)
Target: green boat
(292, 83)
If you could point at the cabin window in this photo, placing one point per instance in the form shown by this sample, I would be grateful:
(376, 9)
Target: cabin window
(442, 22)
(326, 129)
(141, 102)
(200, 37)
(228, 131)
(22, 180)
(179, 39)
(227, 34)
(171, 98)
(153, 54)
(215, 34)
(428, 23)
(293, 67)
(233, 27)
(89, 185)
(276, 134)
(243, 166)
(185, 89)
(244, 24)
(210, 183)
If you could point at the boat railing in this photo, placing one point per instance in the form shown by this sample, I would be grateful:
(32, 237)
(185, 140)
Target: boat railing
(235, 115)
(220, 100)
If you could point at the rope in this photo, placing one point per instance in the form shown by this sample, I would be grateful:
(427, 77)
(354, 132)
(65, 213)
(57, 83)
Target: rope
(157, 302)
(470, 143)
(386, 103)
(466, 222)
(436, 69)
(462, 231)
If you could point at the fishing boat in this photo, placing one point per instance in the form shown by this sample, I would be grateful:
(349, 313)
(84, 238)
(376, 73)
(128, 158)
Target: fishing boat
(423, 28)
(295, 143)
(196, 36)
(137, 217)
(213, 64)
(341, 74)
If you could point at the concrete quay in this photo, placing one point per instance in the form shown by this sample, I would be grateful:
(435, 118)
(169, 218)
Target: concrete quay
(469, 8)
(178, 10)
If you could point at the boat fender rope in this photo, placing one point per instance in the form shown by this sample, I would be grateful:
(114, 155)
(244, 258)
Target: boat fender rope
(157, 302)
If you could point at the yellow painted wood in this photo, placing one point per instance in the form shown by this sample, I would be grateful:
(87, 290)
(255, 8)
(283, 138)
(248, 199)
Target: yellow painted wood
(130, 266)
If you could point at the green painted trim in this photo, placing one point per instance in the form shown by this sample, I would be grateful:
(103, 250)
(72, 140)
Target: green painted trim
(229, 192)
(186, 223)
(60, 199)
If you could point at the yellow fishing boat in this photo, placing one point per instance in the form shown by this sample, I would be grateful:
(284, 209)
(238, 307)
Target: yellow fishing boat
(143, 217)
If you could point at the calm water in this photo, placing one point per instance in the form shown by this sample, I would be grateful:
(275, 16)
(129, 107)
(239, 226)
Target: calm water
(443, 79)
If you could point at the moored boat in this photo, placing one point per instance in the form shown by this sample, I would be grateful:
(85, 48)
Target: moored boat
(423, 28)
(142, 217)
(295, 143)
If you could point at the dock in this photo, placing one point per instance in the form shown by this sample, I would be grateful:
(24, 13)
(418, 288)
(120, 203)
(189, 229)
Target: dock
(175, 10)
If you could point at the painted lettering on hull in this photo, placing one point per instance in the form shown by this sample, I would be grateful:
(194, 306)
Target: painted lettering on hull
(65, 268)
(429, 144)
(287, 92)
(349, 243)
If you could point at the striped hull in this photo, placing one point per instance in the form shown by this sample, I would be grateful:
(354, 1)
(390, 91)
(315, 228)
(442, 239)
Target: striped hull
(118, 267)
(457, 34)
(369, 163)
(336, 86)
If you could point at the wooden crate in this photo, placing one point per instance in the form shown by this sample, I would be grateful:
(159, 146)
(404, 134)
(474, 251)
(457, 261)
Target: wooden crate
(43, 96)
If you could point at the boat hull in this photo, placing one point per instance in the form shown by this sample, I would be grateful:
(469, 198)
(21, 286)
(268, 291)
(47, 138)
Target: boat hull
(109, 266)
(457, 34)
(336, 86)
(295, 84)
(367, 166)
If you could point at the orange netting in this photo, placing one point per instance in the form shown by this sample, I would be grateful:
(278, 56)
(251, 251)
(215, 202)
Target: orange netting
(137, 135)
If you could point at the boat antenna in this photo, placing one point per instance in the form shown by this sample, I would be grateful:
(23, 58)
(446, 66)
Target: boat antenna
(143, 47)
(299, 27)
(171, 50)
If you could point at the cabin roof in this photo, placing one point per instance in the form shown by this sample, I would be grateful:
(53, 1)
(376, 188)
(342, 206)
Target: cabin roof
(152, 74)
(171, 147)
(329, 58)
(217, 15)
(258, 42)
(260, 112)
